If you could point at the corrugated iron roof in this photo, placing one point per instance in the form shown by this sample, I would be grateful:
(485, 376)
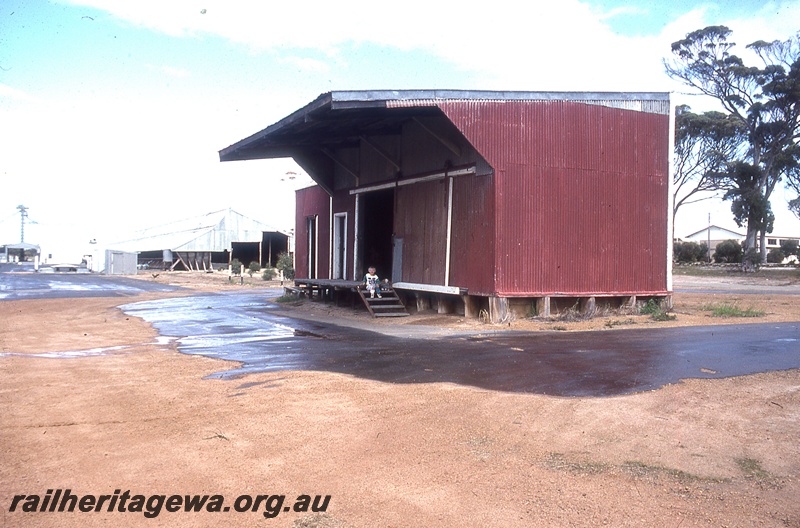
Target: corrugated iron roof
(376, 112)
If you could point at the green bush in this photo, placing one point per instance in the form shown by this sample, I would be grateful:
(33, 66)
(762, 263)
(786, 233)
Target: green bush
(775, 256)
(253, 267)
(655, 309)
(789, 247)
(688, 252)
(268, 274)
(728, 251)
(236, 267)
(286, 265)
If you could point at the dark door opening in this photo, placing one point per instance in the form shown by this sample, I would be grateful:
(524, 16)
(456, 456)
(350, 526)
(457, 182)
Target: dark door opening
(311, 226)
(377, 221)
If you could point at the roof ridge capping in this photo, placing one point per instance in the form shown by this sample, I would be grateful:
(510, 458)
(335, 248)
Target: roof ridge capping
(488, 95)
(648, 102)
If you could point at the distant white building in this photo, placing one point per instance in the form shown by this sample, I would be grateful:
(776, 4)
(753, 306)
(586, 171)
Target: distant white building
(207, 242)
(713, 235)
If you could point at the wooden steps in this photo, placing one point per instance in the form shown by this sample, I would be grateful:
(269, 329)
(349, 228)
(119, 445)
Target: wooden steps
(388, 305)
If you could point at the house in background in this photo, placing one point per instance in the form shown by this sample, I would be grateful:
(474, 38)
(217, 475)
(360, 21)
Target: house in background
(475, 200)
(207, 242)
(713, 235)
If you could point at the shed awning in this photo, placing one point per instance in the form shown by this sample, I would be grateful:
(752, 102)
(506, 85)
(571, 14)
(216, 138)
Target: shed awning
(339, 119)
(342, 119)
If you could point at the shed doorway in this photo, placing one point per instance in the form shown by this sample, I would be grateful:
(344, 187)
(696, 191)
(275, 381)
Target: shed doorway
(311, 230)
(339, 245)
(377, 227)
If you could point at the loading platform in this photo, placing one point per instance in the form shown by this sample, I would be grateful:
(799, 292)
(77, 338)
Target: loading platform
(331, 290)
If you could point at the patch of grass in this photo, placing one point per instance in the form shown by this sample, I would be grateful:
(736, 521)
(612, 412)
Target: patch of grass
(642, 470)
(730, 310)
(560, 328)
(753, 471)
(613, 323)
(571, 314)
(288, 299)
(318, 520)
(728, 270)
(285, 298)
(558, 462)
(635, 469)
(656, 311)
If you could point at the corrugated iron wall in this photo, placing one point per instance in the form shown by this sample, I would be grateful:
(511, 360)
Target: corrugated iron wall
(312, 201)
(472, 246)
(421, 221)
(581, 195)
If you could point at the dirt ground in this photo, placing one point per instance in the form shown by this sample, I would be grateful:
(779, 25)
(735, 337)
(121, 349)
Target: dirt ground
(141, 417)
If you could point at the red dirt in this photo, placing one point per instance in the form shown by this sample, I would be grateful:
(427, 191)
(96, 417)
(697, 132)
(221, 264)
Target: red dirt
(142, 418)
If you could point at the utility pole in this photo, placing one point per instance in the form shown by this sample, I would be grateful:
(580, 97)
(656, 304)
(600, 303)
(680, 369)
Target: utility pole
(23, 214)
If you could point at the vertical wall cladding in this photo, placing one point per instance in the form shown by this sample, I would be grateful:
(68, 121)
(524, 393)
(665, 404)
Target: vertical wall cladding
(430, 144)
(421, 221)
(310, 202)
(581, 195)
(344, 202)
(472, 247)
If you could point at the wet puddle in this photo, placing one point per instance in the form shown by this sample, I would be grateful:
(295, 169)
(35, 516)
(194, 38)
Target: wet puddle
(243, 328)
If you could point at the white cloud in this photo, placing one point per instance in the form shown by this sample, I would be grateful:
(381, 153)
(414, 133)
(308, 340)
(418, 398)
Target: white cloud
(12, 93)
(305, 64)
(565, 45)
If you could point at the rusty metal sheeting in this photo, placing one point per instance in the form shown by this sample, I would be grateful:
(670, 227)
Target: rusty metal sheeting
(581, 195)
(310, 202)
(472, 246)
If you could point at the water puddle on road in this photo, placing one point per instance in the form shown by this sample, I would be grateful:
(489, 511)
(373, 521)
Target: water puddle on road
(244, 327)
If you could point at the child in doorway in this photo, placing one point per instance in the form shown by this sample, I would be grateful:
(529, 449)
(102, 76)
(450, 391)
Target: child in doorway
(373, 283)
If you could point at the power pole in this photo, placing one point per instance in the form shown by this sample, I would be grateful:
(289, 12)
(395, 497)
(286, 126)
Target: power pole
(23, 214)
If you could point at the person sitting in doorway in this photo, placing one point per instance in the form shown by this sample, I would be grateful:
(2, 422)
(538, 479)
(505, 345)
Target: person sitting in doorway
(373, 283)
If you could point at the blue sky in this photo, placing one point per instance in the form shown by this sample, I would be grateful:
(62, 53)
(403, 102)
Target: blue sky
(112, 113)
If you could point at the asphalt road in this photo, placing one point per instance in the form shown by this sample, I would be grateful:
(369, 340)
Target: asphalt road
(245, 327)
(20, 282)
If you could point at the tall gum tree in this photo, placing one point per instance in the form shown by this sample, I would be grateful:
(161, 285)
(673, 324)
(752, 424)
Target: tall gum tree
(704, 143)
(764, 100)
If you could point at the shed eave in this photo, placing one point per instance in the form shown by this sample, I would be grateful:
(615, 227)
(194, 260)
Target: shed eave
(258, 145)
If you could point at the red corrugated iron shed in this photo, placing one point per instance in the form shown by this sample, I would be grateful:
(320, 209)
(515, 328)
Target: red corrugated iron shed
(489, 194)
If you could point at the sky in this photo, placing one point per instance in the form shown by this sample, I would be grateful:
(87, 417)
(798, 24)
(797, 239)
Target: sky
(112, 112)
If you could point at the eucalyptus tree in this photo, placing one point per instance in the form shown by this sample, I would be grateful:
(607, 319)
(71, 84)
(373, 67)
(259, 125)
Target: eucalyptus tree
(704, 144)
(764, 100)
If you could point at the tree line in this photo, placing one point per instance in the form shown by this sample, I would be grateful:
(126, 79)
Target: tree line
(750, 146)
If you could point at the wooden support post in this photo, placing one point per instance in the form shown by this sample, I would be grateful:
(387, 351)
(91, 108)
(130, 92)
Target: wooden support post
(543, 306)
(445, 306)
(471, 306)
(498, 309)
(667, 302)
(423, 303)
(630, 302)
(588, 306)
